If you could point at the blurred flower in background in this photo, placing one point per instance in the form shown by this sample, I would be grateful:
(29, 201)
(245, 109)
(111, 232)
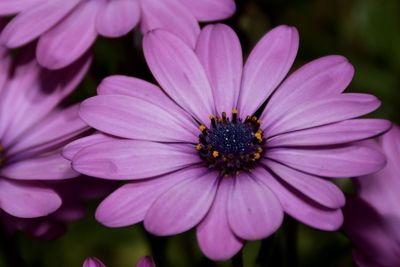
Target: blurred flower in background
(372, 216)
(94, 262)
(67, 29)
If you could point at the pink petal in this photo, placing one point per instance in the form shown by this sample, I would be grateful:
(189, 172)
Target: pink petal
(267, 65)
(31, 23)
(48, 167)
(135, 118)
(5, 62)
(27, 200)
(145, 262)
(214, 235)
(183, 206)
(133, 159)
(93, 262)
(300, 207)
(179, 72)
(70, 150)
(323, 111)
(339, 162)
(128, 204)
(117, 18)
(137, 88)
(319, 190)
(170, 15)
(34, 92)
(254, 212)
(332, 134)
(220, 53)
(69, 39)
(324, 77)
(10, 7)
(209, 10)
(55, 130)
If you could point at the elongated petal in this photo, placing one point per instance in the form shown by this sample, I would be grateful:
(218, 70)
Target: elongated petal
(324, 111)
(55, 130)
(323, 77)
(267, 65)
(133, 159)
(254, 212)
(209, 10)
(172, 16)
(70, 39)
(21, 30)
(10, 7)
(220, 53)
(179, 72)
(301, 208)
(93, 262)
(128, 204)
(70, 150)
(319, 190)
(145, 262)
(332, 134)
(215, 228)
(117, 18)
(135, 118)
(182, 206)
(27, 200)
(5, 63)
(48, 167)
(339, 162)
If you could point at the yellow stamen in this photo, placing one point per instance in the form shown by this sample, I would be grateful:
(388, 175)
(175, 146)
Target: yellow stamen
(202, 127)
(215, 154)
(257, 155)
(198, 147)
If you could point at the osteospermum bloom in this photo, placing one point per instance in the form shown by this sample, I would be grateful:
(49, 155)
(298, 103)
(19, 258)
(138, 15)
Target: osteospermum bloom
(33, 129)
(205, 153)
(95, 262)
(372, 216)
(66, 29)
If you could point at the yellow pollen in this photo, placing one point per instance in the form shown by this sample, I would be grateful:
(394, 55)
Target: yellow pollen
(259, 150)
(202, 127)
(215, 154)
(212, 117)
(198, 147)
(234, 110)
(259, 122)
(257, 155)
(258, 136)
(254, 118)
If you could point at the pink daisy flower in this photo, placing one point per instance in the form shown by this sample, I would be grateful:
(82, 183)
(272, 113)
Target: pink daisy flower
(205, 153)
(95, 262)
(372, 217)
(67, 29)
(33, 129)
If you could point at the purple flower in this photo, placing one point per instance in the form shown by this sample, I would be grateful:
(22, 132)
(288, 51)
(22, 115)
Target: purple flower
(33, 129)
(207, 154)
(67, 29)
(95, 262)
(372, 217)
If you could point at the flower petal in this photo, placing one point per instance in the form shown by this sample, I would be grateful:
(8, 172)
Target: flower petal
(220, 53)
(70, 150)
(332, 134)
(323, 77)
(254, 212)
(323, 111)
(69, 39)
(93, 262)
(209, 10)
(27, 200)
(48, 167)
(319, 190)
(301, 208)
(172, 16)
(135, 118)
(182, 206)
(133, 159)
(31, 23)
(117, 18)
(266, 66)
(215, 227)
(128, 204)
(179, 72)
(339, 162)
(10, 7)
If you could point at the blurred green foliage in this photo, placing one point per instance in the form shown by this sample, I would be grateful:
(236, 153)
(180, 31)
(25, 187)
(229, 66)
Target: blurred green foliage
(367, 32)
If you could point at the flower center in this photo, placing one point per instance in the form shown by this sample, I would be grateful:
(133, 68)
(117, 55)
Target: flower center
(232, 145)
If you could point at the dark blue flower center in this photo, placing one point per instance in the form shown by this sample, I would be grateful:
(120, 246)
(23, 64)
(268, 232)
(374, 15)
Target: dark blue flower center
(232, 145)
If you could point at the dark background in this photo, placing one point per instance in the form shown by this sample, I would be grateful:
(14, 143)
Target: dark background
(367, 32)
